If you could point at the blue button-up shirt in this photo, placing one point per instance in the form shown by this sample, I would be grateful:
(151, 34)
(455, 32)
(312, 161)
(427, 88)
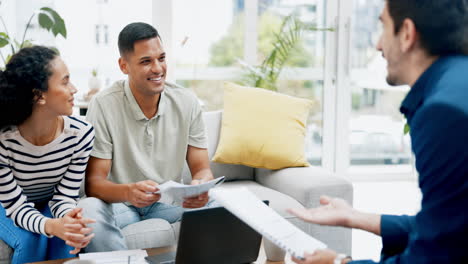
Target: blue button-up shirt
(437, 111)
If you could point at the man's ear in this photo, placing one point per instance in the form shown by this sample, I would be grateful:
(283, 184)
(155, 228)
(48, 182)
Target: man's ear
(123, 65)
(408, 35)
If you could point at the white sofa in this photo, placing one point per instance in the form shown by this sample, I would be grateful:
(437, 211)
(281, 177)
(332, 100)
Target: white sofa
(286, 188)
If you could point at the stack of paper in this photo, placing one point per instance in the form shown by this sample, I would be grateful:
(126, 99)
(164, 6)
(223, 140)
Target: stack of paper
(117, 257)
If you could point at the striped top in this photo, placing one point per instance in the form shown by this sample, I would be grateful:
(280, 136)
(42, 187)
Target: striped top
(52, 172)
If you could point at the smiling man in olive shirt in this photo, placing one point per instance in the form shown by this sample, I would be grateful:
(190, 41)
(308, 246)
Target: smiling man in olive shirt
(146, 129)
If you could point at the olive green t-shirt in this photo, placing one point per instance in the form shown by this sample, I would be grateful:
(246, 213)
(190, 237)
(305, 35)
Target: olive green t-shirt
(142, 148)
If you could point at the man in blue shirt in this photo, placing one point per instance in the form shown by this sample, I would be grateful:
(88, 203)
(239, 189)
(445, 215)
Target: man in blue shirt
(426, 46)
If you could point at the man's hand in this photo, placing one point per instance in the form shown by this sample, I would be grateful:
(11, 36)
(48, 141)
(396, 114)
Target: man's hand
(72, 228)
(197, 201)
(337, 212)
(334, 212)
(141, 194)
(324, 256)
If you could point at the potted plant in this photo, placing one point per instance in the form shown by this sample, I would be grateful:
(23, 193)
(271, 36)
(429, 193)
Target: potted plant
(285, 41)
(48, 19)
(94, 84)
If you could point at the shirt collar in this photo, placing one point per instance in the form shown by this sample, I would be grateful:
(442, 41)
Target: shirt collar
(415, 96)
(135, 108)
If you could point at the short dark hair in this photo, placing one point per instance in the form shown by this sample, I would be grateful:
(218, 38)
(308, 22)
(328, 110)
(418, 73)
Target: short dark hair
(25, 77)
(134, 32)
(442, 24)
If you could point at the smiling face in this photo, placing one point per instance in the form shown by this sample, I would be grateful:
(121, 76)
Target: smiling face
(146, 67)
(389, 45)
(58, 98)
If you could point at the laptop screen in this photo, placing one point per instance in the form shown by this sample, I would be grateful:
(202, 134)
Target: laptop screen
(214, 235)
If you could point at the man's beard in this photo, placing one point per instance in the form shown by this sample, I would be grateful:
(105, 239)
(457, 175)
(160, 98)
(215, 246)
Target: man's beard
(391, 81)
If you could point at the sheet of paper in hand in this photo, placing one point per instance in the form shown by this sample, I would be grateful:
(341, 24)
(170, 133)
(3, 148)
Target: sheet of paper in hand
(180, 191)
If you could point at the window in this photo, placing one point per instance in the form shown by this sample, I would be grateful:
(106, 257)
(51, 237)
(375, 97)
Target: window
(206, 51)
(98, 34)
(106, 34)
(244, 34)
(376, 138)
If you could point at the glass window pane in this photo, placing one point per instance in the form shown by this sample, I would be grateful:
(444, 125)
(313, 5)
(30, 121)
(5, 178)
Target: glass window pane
(309, 51)
(208, 33)
(376, 131)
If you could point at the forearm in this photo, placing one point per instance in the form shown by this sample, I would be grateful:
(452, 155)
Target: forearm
(365, 221)
(203, 174)
(108, 191)
(51, 226)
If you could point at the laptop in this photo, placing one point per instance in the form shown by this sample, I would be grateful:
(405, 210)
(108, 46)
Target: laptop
(212, 236)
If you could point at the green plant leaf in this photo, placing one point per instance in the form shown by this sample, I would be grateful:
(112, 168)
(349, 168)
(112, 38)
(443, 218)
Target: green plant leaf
(407, 129)
(27, 43)
(58, 25)
(45, 21)
(4, 39)
(59, 28)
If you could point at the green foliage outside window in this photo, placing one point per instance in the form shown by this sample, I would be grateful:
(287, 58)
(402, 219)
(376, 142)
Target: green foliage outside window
(281, 43)
(229, 49)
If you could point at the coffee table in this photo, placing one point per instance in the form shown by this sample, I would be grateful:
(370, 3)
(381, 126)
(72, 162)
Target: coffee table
(155, 251)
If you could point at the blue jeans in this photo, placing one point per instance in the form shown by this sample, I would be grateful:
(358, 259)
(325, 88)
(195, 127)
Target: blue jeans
(28, 246)
(111, 218)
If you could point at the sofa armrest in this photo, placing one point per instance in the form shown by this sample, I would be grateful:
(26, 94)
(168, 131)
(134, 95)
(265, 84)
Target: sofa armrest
(306, 184)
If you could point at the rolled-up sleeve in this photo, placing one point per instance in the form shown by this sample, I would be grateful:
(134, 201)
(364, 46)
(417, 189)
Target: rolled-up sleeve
(197, 133)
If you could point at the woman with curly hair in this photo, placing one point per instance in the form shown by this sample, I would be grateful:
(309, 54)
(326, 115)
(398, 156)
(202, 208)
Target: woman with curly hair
(43, 156)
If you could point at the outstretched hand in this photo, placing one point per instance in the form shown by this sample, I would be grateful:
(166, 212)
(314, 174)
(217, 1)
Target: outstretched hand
(333, 212)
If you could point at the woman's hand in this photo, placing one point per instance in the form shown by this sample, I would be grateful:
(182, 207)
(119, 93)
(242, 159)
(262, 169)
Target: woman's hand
(72, 228)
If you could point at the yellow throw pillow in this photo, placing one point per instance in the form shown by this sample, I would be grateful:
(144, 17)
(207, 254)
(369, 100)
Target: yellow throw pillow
(262, 129)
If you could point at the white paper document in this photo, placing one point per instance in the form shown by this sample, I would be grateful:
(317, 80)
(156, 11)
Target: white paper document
(117, 257)
(180, 191)
(263, 219)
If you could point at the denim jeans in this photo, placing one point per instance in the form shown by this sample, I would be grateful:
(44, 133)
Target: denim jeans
(111, 218)
(28, 246)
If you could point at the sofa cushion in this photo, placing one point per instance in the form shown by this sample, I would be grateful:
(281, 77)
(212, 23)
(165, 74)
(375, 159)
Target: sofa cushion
(5, 253)
(262, 129)
(150, 233)
(231, 171)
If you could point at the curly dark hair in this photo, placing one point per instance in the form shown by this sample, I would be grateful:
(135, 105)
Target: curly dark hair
(25, 78)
